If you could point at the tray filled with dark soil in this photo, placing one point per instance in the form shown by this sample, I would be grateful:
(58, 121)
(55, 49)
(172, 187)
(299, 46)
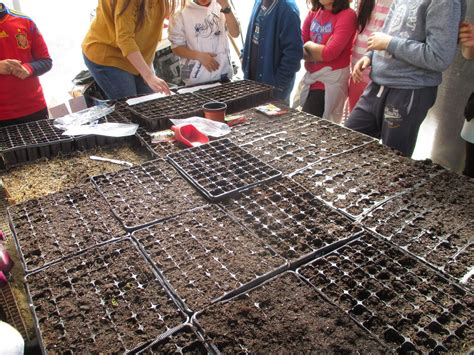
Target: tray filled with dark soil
(358, 180)
(158, 150)
(205, 255)
(434, 222)
(185, 340)
(221, 169)
(31, 141)
(406, 303)
(147, 193)
(155, 115)
(60, 224)
(291, 220)
(239, 95)
(283, 316)
(106, 300)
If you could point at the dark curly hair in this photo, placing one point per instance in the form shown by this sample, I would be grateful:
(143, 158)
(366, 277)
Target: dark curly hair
(337, 6)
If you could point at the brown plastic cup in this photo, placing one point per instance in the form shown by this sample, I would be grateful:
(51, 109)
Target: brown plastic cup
(215, 111)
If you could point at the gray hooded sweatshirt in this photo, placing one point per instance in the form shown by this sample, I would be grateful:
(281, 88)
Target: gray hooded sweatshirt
(425, 36)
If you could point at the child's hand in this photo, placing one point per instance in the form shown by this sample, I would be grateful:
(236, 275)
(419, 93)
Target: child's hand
(359, 67)
(207, 59)
(466, 34)
(378, 41)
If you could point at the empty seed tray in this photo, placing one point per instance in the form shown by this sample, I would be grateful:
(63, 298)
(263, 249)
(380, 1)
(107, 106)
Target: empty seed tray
(221, 169)
(60, 224)
(147, 194)
(283, 316)
(291, 220)
(31, 141)
(408, 305)
(106, 300)
(358, 180)
(239, 95)
(155, 115)
(204, 255)
(158, 150)
(434, 222)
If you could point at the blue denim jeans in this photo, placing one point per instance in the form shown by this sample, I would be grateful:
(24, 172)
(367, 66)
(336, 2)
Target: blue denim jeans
(117, 83)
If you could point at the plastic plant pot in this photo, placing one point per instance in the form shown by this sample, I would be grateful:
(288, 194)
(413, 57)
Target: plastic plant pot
(6, 263)
(215, 111)
(189, 135)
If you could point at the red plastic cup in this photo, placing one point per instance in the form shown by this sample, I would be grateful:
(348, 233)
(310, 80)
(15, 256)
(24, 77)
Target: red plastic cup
(215, 111)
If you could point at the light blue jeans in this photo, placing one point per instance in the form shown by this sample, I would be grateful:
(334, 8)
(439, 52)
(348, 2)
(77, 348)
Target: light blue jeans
(117, 83)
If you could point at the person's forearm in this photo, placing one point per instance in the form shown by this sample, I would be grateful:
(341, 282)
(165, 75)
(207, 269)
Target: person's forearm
(233, 25)
(136, 58)
(40, 66)
(185, 52)
(468, 52)
(315, 51)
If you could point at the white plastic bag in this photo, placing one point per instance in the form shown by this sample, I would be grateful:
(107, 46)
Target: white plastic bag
(208, 127)
(108, 129)
(87, 116)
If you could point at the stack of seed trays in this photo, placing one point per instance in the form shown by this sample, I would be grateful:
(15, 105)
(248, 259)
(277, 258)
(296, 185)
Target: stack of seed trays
(205, 255)
(358, 180)
(283, 316)
(435, 223)
(147, 194)
(185, 340)
(155, 115)
(239, 95)
(221, 169)
(405, 303)
(31, 141)
(291, 220)
(61, 224)
(158, 150)
(107, 299)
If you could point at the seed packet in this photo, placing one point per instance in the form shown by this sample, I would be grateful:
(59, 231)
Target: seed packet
(271, 110)
(162, 136)
(232, 120)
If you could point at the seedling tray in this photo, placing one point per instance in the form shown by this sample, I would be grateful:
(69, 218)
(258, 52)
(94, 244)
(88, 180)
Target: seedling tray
(147, 194)
(106, 300)
(408, 305)
(159, 150)
(155, 115)
(239, 95)
(358, 180)
(64, 223)
(434, 222)
(291, 220)
(31, 141)
(221, 169)
(283, 316)
(204, 255)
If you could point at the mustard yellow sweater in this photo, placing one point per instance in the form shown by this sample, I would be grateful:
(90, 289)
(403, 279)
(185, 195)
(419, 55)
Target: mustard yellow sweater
(112, 37)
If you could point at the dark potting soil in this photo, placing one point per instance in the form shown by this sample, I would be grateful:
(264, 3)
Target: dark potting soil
(204, 254)
(283, 316)
(106, 300)
(63, 223)
(183, 341)
(404, 302)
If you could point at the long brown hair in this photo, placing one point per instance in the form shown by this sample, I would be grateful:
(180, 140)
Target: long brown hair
(365, 11)
(170, 7)
(337, 7)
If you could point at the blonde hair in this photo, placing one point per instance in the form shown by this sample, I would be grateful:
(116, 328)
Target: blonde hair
(169, 8)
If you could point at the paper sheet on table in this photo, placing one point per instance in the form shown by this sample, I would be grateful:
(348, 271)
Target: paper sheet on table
(139, 100)
(87, 116)
(208, 127)
(196, 88)
(108, 129)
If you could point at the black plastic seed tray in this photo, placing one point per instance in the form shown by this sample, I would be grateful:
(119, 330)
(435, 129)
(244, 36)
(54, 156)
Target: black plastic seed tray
(283, 316)
(155, 115)
(204, 255)
(31, 141)
(61, 224)
(221, 169)
(106, 300)
(291, 220)
(407, 304)
(158, 150)
(434, 222)
(147, 194)
(185, 340)
(239, 95)
(358, 180)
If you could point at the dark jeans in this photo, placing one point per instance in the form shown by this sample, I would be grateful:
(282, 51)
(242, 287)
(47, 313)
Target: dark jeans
(36, 116)
(394, 115)
(469, 166)
(117, 83)
(314, 104)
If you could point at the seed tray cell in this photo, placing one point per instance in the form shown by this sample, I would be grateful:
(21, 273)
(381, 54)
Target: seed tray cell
(159, 150)
(147, 194)
(32, 141)
(408, 305)
(283, 316)
(220, 169)
(60, 224)
(358, 180)
(239, 95)
(435, 222)
(205, 255)
(291, 220)
(155, 115)
(107, 300)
